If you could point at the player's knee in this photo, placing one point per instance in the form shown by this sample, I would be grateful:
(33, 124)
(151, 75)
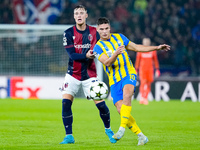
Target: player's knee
(127, 96)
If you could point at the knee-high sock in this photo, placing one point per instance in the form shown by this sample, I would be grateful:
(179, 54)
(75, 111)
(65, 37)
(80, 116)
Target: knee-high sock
(104, 113)
(67, 115)
(133, 126)
(125, 113)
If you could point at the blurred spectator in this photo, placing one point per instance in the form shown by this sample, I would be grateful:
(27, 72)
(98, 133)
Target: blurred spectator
(2, 53)
(47, 56)
(140, 6)
(176, 23)
(6, 14)
(196, 32)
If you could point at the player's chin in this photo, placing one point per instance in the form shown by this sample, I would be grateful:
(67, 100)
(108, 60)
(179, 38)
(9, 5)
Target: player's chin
(105, 35)
(80, 23)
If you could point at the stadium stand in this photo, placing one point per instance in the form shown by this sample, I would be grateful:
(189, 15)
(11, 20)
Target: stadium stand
(176, 23)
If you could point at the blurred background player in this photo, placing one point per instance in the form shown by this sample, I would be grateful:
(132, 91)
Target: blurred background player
(79, 41)
(144, 65)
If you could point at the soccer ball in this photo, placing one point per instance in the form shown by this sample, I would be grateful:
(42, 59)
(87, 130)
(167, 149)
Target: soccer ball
(98, 90)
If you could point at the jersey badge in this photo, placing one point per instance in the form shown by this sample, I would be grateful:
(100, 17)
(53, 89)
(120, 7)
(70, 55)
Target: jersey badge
(90, 37)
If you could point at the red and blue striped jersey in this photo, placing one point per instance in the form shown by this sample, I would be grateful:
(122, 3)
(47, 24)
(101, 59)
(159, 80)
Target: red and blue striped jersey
(77, 43)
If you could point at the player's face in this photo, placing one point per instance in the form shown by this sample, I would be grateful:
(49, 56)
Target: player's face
(146, 42)
(80, 16)
(104, 31)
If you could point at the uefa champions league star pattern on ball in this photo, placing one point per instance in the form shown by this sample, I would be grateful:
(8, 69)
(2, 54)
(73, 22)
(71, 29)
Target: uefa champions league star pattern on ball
(98, 90)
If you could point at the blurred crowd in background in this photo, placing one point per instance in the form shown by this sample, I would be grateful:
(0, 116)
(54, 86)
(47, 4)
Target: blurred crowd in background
(176, 23)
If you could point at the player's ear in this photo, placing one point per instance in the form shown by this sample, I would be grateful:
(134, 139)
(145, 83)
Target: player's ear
(74, 17)
(86, 15)
(97, 28)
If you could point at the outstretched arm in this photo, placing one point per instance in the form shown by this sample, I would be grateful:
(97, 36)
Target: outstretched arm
(142, 48)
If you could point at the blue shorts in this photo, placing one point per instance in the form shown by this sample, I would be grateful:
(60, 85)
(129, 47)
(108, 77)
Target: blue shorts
(117, 88)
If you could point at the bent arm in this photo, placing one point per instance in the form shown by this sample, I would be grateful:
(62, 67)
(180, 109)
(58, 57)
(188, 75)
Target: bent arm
(108, 61)
(79, 57)
(75, 56)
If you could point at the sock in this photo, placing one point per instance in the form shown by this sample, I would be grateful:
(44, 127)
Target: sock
(67, 115)
(125, 113)
(133, 126)
(104, 113)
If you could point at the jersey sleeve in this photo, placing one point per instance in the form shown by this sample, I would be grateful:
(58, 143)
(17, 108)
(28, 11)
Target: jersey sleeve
(125, 39)
(68, 43)
(98, 51)
(67, 40)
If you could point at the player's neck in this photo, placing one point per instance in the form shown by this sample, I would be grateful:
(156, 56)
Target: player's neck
(81, 27)
(105, 39)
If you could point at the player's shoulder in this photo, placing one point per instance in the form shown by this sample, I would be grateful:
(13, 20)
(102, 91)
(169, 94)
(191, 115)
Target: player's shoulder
(116, 34)
(69, 30)
(98, 42)
(93, 31)
(68, 33)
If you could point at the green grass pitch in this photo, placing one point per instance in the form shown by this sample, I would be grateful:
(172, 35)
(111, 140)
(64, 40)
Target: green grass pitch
(37, 125)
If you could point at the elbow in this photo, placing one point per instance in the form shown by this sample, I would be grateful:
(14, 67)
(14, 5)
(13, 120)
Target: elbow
(107, 64)
(74, 58)
(137, 50)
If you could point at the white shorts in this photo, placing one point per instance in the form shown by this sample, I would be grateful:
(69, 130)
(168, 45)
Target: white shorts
(71, 85)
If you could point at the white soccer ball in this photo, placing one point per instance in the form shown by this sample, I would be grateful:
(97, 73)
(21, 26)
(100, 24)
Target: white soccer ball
(98, 90)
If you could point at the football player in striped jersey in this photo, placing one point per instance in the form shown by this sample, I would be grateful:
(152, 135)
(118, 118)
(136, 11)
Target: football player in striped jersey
(111, 51)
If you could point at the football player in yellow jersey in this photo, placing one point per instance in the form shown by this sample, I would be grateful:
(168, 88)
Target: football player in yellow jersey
(111, 51)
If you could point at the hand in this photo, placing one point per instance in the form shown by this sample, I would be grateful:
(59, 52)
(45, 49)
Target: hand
(157, 73)
(90, 54)
(164, 47)
(120, 50)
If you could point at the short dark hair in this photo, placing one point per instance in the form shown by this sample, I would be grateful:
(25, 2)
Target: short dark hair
(80, 6)
(103, 20)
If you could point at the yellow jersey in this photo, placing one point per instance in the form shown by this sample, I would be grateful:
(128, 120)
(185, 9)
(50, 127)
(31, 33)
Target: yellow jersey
(123, 65)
